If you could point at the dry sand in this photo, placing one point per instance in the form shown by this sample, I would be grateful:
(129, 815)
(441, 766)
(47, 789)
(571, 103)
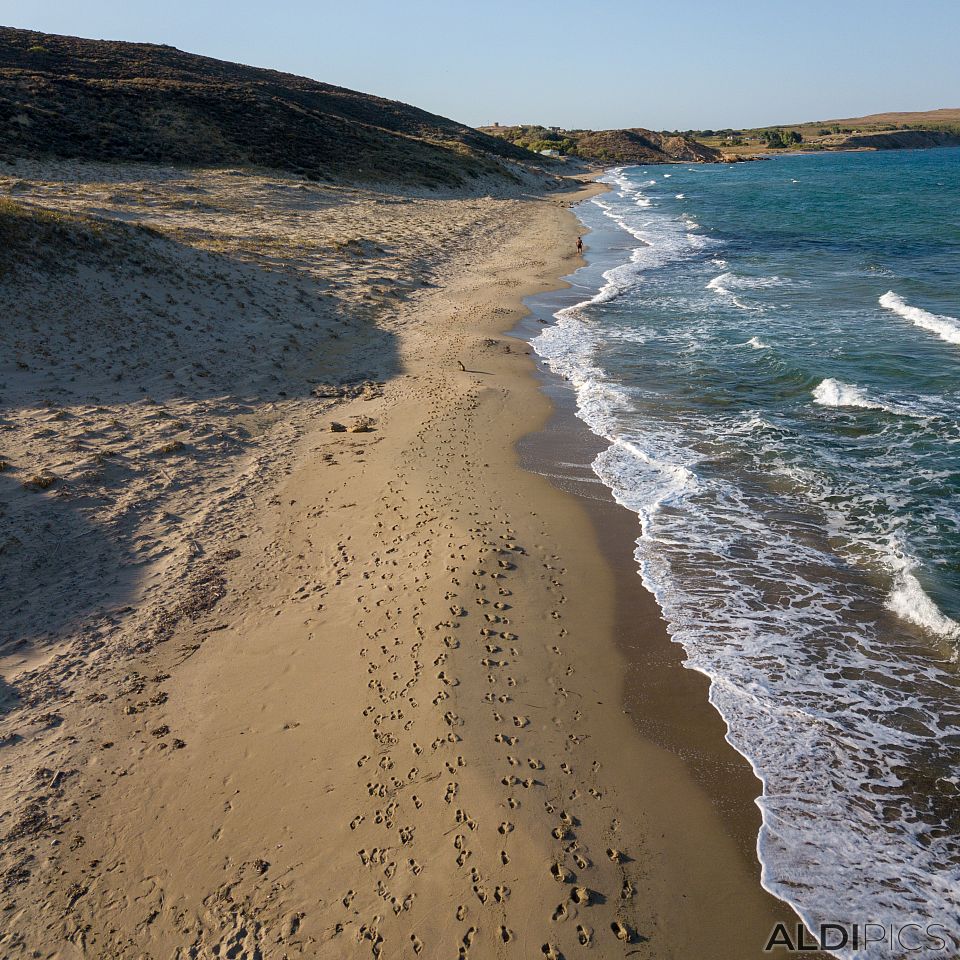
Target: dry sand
(271, 690)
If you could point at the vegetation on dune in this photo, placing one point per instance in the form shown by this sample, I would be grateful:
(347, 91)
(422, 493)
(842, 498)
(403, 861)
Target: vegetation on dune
(31, 230)
(35, 236)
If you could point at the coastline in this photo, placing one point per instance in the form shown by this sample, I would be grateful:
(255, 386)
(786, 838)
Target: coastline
(667, 703)
(659, 693)
(670, 357)
(386, 719)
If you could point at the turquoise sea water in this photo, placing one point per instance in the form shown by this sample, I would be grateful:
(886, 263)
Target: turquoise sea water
(774, 358)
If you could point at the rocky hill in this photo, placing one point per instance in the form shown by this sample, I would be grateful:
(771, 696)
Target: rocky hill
(629, 146)
(642, 146)
(111, 101)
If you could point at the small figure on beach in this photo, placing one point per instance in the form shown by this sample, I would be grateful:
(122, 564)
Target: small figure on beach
(579, 244)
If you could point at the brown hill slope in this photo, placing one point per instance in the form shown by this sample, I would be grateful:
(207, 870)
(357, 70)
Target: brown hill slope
(900, 140)
(642, 146)
(925, 119)
(877, 131)
(634, 145)
(106, 100)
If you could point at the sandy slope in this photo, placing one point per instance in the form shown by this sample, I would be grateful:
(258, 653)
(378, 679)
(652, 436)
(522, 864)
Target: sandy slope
(360, 696)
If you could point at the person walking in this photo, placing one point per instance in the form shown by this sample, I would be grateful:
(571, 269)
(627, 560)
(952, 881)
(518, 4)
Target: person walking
(580, 245)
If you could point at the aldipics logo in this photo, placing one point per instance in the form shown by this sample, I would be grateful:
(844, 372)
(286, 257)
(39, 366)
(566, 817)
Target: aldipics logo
(920, 939)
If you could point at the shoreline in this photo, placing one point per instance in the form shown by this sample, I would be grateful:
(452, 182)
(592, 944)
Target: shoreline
(668, 703)
(702, 460)
(384, 716)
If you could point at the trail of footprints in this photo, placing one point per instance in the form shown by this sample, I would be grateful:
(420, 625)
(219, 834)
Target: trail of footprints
(444, 662)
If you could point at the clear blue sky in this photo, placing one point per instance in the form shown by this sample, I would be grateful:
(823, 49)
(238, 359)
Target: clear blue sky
(665, 64)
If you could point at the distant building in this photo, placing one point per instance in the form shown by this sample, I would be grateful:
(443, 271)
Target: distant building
(549, 153)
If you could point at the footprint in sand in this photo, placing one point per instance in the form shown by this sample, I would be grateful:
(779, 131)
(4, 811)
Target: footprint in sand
(580, 896)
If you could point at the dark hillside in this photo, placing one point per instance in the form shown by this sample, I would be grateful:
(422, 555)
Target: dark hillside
(111, 101)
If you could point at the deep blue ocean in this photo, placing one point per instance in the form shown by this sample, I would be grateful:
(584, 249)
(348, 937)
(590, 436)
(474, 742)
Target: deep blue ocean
(772, 351)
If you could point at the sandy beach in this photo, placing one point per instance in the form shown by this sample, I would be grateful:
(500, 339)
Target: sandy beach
(305, 663)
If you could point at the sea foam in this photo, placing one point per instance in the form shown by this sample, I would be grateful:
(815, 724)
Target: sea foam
(727, 285)
(909, 601)
(833, 393)
(760, 575)
(946, 328)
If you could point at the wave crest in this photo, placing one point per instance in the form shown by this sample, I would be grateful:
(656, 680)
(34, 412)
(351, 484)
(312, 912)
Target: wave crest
(946, 328)
(909, 601)
(835, 393)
